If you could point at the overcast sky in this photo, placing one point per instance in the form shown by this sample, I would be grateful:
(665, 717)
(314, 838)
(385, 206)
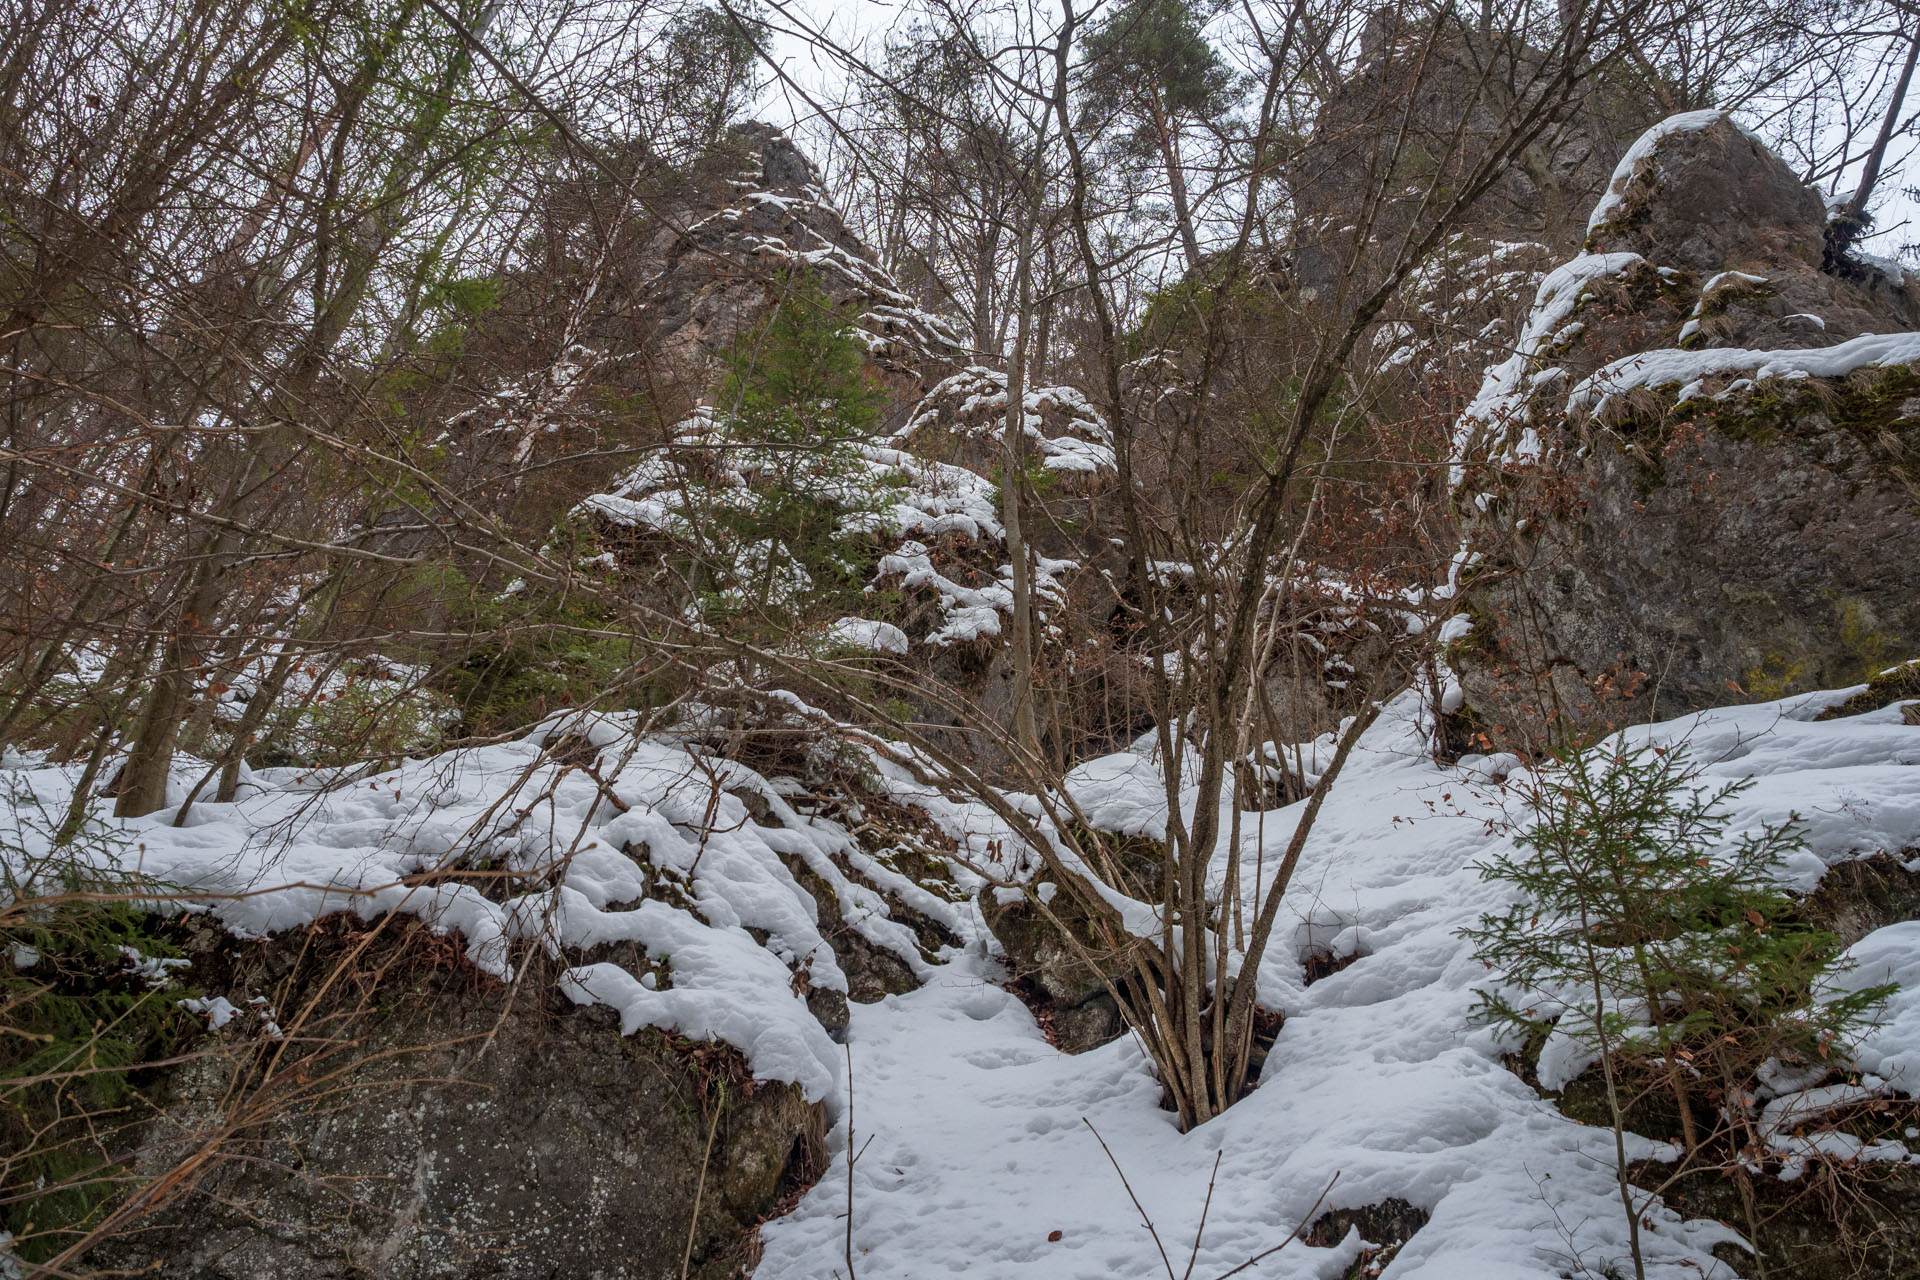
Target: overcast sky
(855, 22)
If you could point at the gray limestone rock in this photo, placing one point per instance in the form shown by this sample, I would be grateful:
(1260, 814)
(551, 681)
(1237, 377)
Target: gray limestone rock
(422, 1121)
(1749, 540)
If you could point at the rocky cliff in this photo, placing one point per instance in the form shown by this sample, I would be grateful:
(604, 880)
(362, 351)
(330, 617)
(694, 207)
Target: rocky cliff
(1693, 484)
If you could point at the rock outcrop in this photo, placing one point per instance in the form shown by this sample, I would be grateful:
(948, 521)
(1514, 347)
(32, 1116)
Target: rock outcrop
(564, 1006)
(1695, 481)
(420, 1120)
(1423, 108)
(770, 214)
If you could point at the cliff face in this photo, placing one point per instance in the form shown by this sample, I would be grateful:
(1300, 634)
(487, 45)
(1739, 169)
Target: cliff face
(1421, 112)
(766, 213)
(1693, 484)
(932, 560)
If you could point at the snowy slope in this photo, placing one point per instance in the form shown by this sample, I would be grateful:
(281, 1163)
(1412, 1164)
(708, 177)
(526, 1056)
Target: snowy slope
(646, 838)
(978, 1146)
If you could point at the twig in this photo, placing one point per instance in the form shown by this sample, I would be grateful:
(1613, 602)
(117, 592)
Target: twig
(1194, 1254)
(700, 1187)
(1164, 1260)
(853, 1158)
(1292, 1235)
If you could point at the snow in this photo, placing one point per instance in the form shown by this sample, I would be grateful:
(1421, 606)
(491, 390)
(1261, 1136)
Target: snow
(974, 1132)
(978, 398)
(597, 848)
(1707, 291)
(976, 1135)
(1501, 402)
(883, 491)
(217, 1010)
(1499, 423)
(1890, 268)
(890, 325)
(865, 633)
(1670, 366)
(1892, 954)
(970, 613)
(1642, 149)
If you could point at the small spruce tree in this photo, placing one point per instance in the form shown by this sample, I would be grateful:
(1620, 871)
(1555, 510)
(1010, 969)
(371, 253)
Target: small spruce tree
(1666, 951)
(796, 405)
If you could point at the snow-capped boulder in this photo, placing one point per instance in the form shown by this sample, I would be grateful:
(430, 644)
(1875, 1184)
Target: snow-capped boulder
(1704, 199)
(1694, 481)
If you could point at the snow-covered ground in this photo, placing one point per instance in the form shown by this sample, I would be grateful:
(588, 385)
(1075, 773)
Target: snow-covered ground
(977, 1137)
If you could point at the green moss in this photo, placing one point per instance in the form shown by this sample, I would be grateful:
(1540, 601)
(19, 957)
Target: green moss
(1773, 678)
(1871, 405)
(1647, 285)
(1866, 646)
(1896, 684)
(1478, 640)
(1861, 895)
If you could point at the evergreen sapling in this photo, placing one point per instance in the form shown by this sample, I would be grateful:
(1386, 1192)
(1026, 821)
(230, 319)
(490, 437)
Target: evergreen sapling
(1645, 941)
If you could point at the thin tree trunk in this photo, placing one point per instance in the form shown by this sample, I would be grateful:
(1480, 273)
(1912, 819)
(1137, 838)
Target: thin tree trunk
(1852, 221)
(1176, 181)
(1617, 1115)
(1012, 498)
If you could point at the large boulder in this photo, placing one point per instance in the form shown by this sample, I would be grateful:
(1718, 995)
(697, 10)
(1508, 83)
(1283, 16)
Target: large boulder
(1694, 482)
(420, 1119)
(1698, 193)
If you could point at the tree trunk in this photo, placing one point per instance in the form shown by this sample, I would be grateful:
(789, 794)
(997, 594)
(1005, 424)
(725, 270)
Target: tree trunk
(1851, 222)
(1176, 182)
(1012, 486)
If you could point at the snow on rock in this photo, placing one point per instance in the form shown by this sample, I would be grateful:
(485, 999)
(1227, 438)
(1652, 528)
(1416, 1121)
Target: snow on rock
(774, 215)
(970, 613)
(932, 507)
(964, 1114)
(1719, 247)
(648, 842)
(1519, 399)
(684, 492)
(1457, 310)
(1065, 431)
(1613, 202)
(1502, 401)
(1676, 367)
(1731, 280)
(867, 633)
(1122, 794)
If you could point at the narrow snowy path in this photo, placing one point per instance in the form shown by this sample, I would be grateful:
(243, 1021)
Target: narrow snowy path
(975, 1151)
(976, 1142)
